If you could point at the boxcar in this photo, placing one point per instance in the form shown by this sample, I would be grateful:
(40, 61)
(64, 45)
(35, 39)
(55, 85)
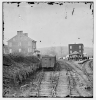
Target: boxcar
(48, 61)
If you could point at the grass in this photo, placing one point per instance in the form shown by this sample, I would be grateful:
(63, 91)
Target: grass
(16, 69)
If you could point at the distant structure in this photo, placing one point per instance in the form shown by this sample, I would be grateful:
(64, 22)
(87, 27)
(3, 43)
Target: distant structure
(21, 43)
(76, 48)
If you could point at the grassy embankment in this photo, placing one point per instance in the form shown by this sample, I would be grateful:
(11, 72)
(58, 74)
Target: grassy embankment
(16, 70)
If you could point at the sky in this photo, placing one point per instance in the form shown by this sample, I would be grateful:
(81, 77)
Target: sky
(50, 25)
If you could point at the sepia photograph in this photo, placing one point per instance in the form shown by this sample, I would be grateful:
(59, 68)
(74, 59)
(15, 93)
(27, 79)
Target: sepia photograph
(47, 49)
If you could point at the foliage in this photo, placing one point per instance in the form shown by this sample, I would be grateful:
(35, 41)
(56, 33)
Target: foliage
(17, 68)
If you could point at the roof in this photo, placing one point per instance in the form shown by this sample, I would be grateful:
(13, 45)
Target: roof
(76, 44)
(48, 56)
(11, 38)
(23, 35)
(85, 53)
(37, 51)
(75, 53)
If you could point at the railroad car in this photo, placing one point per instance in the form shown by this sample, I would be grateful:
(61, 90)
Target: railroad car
(48, 61)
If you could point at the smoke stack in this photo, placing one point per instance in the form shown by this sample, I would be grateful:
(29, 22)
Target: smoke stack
(19, 32)
(26, 34)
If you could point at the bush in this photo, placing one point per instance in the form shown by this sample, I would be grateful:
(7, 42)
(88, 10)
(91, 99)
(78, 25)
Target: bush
(17, 68)
(25, 59)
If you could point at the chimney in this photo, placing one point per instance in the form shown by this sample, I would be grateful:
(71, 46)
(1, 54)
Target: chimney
(26, 34)
(19, 32)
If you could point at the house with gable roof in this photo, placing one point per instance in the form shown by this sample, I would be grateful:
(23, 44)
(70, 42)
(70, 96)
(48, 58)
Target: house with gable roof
(21, 43)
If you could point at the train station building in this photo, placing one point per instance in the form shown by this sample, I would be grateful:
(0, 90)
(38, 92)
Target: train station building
(76, 50)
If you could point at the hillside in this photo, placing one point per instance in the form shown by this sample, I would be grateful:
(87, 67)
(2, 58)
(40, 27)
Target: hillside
(61, 51)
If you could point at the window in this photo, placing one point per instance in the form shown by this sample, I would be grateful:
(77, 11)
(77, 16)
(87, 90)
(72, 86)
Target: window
(10, 44)
(34, 45)
(70, 51)
(10, 51)
(79, 46)
(19, 50)
(79, 50)
(70, 47)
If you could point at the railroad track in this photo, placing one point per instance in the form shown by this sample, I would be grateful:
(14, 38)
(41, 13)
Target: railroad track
(49, 84)
(43, 86)
(91, 65)
(55, 81)
(72, 90)
(32, 90)
(61, 83)
(77, 86)
(79, 72)
(62, 89)
(72, 86)
(88, 65)
(88, 71)
(80, 88)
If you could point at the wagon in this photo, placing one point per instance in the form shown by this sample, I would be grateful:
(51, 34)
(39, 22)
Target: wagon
(48, 61)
